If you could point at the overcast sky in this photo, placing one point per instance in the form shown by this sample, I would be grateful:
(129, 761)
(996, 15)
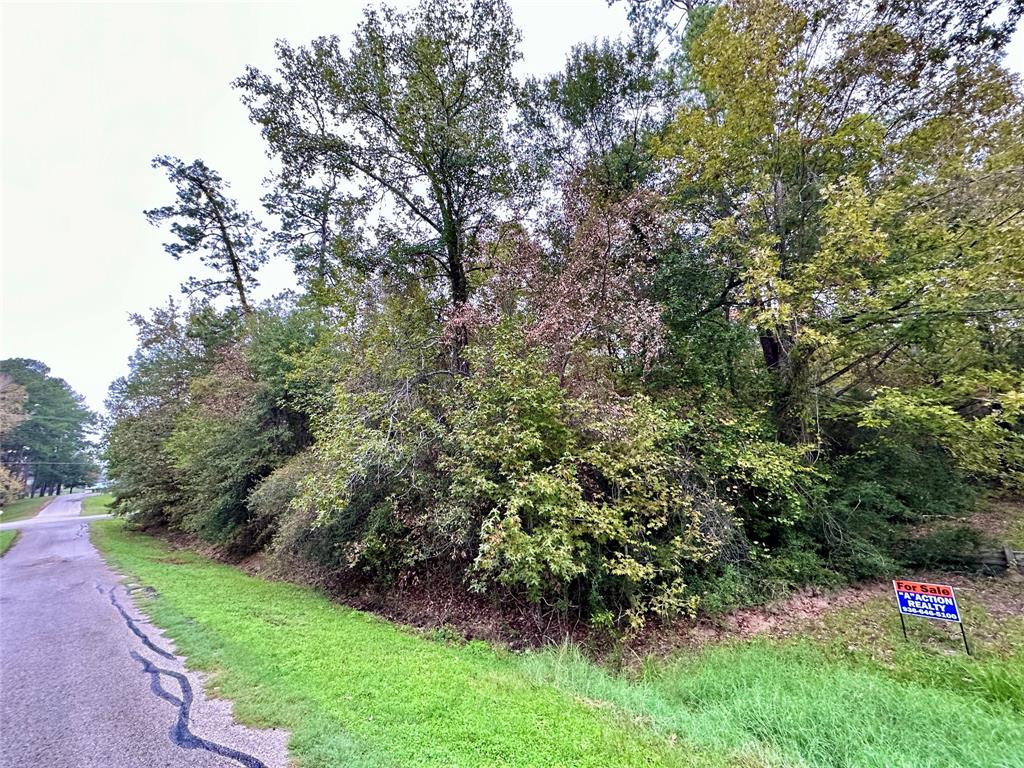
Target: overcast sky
(91, 92)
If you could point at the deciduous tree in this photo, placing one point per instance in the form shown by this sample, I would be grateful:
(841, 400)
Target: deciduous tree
(414, 116)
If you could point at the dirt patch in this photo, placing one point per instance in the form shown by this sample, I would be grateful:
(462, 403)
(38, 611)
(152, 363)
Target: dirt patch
(794, 615)
(253, 564)
(805, 612)
(796, 612)
(999, 519)
(1001, 596)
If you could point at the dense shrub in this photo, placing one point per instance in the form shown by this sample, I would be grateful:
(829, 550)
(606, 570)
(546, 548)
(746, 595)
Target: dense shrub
(592, 504)
(877, 493)
(942, 547)
(642, 332)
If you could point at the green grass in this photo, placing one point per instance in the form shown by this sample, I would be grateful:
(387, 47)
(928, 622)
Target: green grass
(850, 692)
(1016, 533)
(789, 704)
(357, 691)
(23, 508)
(7, 541)
(869, 636)
(98, 504)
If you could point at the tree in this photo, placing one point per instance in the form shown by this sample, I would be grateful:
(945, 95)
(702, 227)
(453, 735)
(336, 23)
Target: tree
(50, 445)
(314, 217)
(209, 223)
(415, 116)
(12, 413)
(816, 170)
(13, 397)
(594, 119)
(763, 311)
(175, 346)
(203, 416)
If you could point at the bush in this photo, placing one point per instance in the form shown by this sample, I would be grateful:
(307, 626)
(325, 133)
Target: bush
(941, 547)
(10, 487)
(596, 508)
(609, 505)
(726, 591)
(771, 485)
(270, 501)
(876, 494)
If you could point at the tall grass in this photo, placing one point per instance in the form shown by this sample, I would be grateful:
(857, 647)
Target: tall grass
(790, 705)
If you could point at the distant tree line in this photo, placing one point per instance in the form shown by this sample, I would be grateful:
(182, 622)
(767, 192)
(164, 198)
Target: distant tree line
(45, 429)
(724, 307)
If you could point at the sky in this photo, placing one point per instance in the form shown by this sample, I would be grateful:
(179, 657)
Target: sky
(90, 92)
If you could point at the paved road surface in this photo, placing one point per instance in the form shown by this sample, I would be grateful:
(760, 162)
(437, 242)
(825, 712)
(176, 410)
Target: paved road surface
(85, 682)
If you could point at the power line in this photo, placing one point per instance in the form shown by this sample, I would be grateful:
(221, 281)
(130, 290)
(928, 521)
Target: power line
(29, 462)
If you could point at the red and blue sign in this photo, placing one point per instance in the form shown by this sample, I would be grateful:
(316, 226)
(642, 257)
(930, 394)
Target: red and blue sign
(929, 601)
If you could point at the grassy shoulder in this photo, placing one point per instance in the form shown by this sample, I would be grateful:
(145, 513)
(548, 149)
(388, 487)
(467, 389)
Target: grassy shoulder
(357, 691)
(7, 541)
(97, 505)
(24, 508)
(792, 704)
(846, 691)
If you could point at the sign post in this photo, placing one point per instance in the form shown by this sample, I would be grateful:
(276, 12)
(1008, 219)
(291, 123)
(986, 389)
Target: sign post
(929, 601)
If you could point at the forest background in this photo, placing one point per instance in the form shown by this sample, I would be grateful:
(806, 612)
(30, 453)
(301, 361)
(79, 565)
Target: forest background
(721, 309)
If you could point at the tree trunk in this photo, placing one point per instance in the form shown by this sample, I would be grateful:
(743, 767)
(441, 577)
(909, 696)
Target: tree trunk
(459, 286)
(229, 248)
(456, 268)
(791, 388)
(771, 347)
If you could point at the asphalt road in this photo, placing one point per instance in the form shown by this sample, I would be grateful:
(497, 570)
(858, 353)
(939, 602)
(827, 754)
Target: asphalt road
(85, 682)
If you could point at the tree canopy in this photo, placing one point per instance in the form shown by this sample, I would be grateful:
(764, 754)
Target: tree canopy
(46, 433)
(414, 115)
(209, 223)
(733, 300)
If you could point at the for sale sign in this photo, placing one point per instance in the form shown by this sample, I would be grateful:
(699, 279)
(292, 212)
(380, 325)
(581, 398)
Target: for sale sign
(930, 601)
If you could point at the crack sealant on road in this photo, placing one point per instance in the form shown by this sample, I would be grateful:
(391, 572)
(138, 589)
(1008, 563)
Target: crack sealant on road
(180, 734)
(133, 626)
